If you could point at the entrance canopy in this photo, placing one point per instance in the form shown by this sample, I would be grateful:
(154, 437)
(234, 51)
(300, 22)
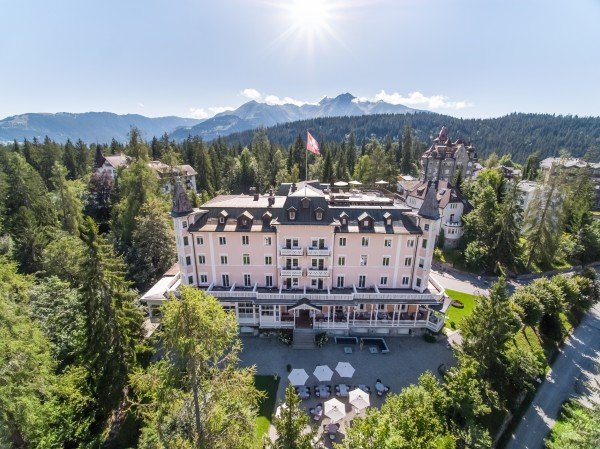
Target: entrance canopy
(304, 304)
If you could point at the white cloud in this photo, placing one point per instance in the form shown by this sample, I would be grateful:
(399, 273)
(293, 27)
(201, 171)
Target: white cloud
(141, 105)
(201, 113)
(418, 99)
(252, 94)
(275, 100)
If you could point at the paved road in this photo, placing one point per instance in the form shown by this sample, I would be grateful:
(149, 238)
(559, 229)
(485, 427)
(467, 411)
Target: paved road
(462, 282)
(579, 356)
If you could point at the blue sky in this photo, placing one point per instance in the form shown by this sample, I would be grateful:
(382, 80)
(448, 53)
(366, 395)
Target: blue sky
(470, 58)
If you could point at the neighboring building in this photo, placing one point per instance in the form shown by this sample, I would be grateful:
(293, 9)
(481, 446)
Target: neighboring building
(406, 183)
(510, 172)
(572, 167)
(310, 258)
(452, 206)
(445, 159)
(526, 192)
(162, 290)
(111, 165)
(184, 172)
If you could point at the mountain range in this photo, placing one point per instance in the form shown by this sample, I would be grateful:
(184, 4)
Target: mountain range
(90, 127)
(102, 127)
(253, 114)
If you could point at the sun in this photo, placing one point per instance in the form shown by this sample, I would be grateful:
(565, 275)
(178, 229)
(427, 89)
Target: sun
(310, 15)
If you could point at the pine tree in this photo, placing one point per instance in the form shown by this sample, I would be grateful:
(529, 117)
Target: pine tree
(112, 321)
(327, 167)
(507, 249)
(69, 160)
(82, 158)
(152, 251)
(69, 206)
(543, 222)
(291, 424)
(407, 148)
(351, 152)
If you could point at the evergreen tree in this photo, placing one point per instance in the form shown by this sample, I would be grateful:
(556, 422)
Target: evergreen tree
(507, 248)
(152, 251)
(68, 205)
(351, 152)
(543, 222)
(532, 166)
(197, 396)
(406, 164)
(112, 322)
(291, 424)
(327, 167)
(70, 160)
(82, 158)
(245, 172)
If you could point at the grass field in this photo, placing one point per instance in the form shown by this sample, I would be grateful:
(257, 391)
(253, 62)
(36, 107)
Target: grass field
(455, 314)
(268, 385)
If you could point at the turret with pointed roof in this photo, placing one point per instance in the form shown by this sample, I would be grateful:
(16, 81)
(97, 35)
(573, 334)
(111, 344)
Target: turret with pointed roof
(181, 203)
(430, 208)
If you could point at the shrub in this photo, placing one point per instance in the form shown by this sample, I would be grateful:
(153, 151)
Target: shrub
(429, 337)
(288, 368)
(321, 338)
(452, 324)
(286, 338)
(458, 304)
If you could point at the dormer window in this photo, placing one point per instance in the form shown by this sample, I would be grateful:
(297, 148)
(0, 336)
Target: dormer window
(245, 219)
(291, 213)
(365, 221)
(223, 216)
(305, 203)
(344, 218)
(318, 214)
(388, 218)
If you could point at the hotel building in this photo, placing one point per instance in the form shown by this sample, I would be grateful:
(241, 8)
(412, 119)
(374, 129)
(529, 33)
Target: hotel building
(307, 257)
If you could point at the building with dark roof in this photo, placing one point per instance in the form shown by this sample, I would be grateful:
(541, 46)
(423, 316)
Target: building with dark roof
(308, 256)
(450, 204)
(445, 159)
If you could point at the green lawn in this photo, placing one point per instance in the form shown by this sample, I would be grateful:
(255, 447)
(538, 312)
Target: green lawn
(268, 385)
(455, 314)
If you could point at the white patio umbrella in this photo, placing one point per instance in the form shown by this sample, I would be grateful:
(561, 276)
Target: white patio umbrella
(344, 369)
(298, 377)
(356, 183)
(382, 182)
(280, 409)
(359, 399)
(334, 409)
(340, 184)
(323, 373)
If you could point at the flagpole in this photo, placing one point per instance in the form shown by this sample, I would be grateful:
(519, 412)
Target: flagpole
(306, 172)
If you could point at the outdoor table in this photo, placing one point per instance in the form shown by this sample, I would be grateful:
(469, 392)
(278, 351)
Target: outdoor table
(365, 388)
(380, 387)
(323, 391)
(318, 413)
(303, 392)
(343, 390)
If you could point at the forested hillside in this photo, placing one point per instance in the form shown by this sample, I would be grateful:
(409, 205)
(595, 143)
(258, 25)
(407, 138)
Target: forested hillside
(518, 134)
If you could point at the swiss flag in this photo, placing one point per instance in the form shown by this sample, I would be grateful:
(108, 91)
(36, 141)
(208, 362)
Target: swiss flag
(311, 144)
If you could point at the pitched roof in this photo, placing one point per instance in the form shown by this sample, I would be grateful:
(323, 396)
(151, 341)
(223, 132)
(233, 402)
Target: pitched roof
(430, 207)
(181, 203)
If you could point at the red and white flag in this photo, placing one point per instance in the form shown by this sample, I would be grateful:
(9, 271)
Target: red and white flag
(311, 144)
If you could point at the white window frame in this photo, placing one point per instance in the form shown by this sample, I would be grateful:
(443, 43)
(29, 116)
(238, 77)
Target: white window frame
(246, 259)
(364, 260)
(408, 261)
(268, 280)
(385, 261)
(383, 281)
(221, 256)
(268, 259)
(223, 277)
(222, 240)
(201, 259)
(268, 241)
(364, 242)
(199, 240)
(341, 262)
(203, 278)
(337, 281)
(247, 277)
(387, 243)
(362, 279)
(245, 240)
(343, 241)
(406, 280)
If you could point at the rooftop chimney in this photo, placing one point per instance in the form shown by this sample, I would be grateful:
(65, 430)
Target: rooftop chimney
(294, 188)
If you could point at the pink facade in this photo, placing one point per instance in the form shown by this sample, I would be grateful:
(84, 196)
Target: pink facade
(308, 254)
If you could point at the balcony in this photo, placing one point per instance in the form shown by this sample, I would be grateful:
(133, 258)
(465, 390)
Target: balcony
(315, 251)
(318, 272)
(293, 251)
(291, 271)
